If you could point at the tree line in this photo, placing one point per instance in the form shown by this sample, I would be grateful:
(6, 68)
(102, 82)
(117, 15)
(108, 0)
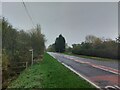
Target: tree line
(97, 47)
(92, 46)
(15, 48)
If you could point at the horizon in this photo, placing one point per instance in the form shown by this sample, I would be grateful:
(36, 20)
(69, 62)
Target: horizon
(73, 20)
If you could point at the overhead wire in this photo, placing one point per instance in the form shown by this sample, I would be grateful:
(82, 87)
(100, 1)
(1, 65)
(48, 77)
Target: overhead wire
(28, 13)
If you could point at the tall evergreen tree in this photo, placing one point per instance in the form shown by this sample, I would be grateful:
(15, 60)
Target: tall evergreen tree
(60, 44)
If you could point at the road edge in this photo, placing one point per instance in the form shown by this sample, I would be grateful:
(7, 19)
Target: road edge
(76, 72)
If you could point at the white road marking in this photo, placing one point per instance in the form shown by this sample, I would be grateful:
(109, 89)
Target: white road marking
(117, 87)
(97, 66)
(77, 73)
(110, 88)
(93, 65)
(105, 69)
(81, 76)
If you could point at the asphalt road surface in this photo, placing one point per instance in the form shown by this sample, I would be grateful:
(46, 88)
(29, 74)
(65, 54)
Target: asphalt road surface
(104, 74)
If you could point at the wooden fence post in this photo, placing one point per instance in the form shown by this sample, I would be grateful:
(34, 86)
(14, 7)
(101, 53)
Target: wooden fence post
(26, 64)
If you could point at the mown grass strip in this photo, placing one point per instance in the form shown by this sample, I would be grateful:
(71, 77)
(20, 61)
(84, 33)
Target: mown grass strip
(91, 57)
(49, 74)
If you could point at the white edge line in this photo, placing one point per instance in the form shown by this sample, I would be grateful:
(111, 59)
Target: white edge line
(77, 73)
(81, 75)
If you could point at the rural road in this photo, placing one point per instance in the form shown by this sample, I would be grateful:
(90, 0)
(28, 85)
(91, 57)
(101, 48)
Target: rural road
(101, 74)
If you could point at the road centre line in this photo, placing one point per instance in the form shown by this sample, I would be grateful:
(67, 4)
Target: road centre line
(96, 66)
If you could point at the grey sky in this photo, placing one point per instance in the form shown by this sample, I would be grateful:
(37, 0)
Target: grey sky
(71, 19)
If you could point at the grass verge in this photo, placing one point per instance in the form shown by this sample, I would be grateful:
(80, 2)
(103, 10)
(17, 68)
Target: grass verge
(91, 57)
(49, 74)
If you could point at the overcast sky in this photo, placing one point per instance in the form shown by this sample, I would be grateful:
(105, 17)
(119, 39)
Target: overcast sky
(71, 19)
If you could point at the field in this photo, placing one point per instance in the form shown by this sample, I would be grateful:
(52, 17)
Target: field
(49, 73)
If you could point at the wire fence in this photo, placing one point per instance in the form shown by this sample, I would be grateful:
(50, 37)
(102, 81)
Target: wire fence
(20, 66)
